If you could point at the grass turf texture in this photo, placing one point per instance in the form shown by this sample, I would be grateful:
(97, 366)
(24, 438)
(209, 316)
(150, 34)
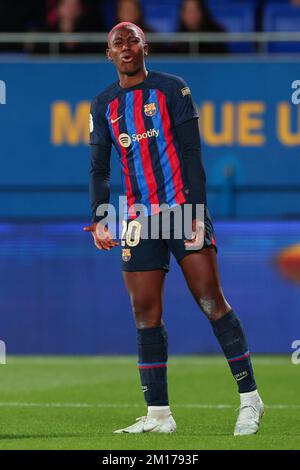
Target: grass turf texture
(77, 402)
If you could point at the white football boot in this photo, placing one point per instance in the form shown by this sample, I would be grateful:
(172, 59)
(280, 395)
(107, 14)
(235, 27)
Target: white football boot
(251, 411)
(149, 424)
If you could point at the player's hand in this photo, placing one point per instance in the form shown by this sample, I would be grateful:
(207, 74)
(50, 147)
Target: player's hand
(101, 235)
(197, 239)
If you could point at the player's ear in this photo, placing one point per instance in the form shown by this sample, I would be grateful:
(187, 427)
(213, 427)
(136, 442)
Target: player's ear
(108, 54)
(146, 49)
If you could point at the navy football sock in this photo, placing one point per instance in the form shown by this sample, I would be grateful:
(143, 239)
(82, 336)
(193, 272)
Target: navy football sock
(230, 334)
(152, 363)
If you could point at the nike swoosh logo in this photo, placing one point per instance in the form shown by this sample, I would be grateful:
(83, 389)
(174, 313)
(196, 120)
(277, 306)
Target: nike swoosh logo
(241, 378)
(115, 120)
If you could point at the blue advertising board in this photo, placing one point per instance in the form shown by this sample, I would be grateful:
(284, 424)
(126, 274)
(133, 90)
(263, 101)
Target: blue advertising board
(59, 295)
(249, 124)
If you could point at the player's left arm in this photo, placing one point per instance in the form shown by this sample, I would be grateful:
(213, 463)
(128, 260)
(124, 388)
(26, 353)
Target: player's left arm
(189, 140)
(185, 121)
(188, 137)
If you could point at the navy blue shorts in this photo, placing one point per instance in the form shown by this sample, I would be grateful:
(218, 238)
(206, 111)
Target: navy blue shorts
(147, 254)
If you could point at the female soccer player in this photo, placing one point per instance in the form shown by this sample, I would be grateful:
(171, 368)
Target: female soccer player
(151, 120)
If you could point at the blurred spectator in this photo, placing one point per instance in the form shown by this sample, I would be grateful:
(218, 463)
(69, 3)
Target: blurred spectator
(131, 10)
(72, 16)
(84, 14)
(196, 17)
(19, 16)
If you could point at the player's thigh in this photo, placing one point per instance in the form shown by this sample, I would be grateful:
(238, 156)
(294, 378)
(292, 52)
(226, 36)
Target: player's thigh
(144, 264)
(145, 290)
(200, 269)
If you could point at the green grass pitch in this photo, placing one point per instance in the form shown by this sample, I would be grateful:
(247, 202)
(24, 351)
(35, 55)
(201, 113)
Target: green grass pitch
(77, 402)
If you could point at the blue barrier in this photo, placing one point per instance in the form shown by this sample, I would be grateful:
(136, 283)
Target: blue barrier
(59, 295)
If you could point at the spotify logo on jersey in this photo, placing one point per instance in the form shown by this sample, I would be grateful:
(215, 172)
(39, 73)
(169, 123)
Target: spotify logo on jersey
(124, 140)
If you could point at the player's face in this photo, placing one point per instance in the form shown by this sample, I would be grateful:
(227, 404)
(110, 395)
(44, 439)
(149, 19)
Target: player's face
(127, 51)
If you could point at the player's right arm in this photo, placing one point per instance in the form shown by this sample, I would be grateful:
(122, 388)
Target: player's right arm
(100, 142)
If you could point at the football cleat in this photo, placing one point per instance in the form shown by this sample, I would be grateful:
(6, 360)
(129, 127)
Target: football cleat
(249, 418)
(149, 424)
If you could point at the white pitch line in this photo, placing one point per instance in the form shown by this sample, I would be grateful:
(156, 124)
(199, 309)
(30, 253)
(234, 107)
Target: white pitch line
(132, 405)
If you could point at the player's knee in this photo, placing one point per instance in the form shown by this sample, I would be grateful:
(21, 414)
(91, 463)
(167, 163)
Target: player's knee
(142, 304)
(147, 313)
(142, 323)
(207, 305)
(144, 320)
(213, 305)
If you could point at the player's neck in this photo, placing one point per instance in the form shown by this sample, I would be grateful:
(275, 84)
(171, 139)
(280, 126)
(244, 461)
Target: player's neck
(127, 81)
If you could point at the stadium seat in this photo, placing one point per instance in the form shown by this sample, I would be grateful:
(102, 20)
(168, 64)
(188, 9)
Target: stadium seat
(162, 16)
(284, 18)
(107, 11)
(236, 17)
(233, 2)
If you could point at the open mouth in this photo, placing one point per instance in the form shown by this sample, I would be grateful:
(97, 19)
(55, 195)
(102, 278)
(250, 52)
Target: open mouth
(127, 58)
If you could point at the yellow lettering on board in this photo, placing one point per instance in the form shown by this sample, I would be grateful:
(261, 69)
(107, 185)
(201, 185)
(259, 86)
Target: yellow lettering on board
(284, 124)
(67, 128)
(248, 122)
(207, 124)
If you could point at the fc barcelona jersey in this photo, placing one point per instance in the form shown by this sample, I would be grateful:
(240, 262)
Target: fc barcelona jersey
(140, 122)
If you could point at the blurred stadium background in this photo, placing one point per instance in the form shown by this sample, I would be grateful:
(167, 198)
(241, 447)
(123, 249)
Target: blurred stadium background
(58, 295)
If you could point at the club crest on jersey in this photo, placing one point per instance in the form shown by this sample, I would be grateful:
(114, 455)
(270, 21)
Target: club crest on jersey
(126, 254)
(185, 91)
(150, 109)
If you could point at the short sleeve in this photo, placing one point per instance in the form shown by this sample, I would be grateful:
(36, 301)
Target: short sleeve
(182, 106)
(99, 131)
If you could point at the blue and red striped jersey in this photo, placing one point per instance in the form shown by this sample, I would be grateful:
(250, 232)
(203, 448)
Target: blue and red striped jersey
(140, 122)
